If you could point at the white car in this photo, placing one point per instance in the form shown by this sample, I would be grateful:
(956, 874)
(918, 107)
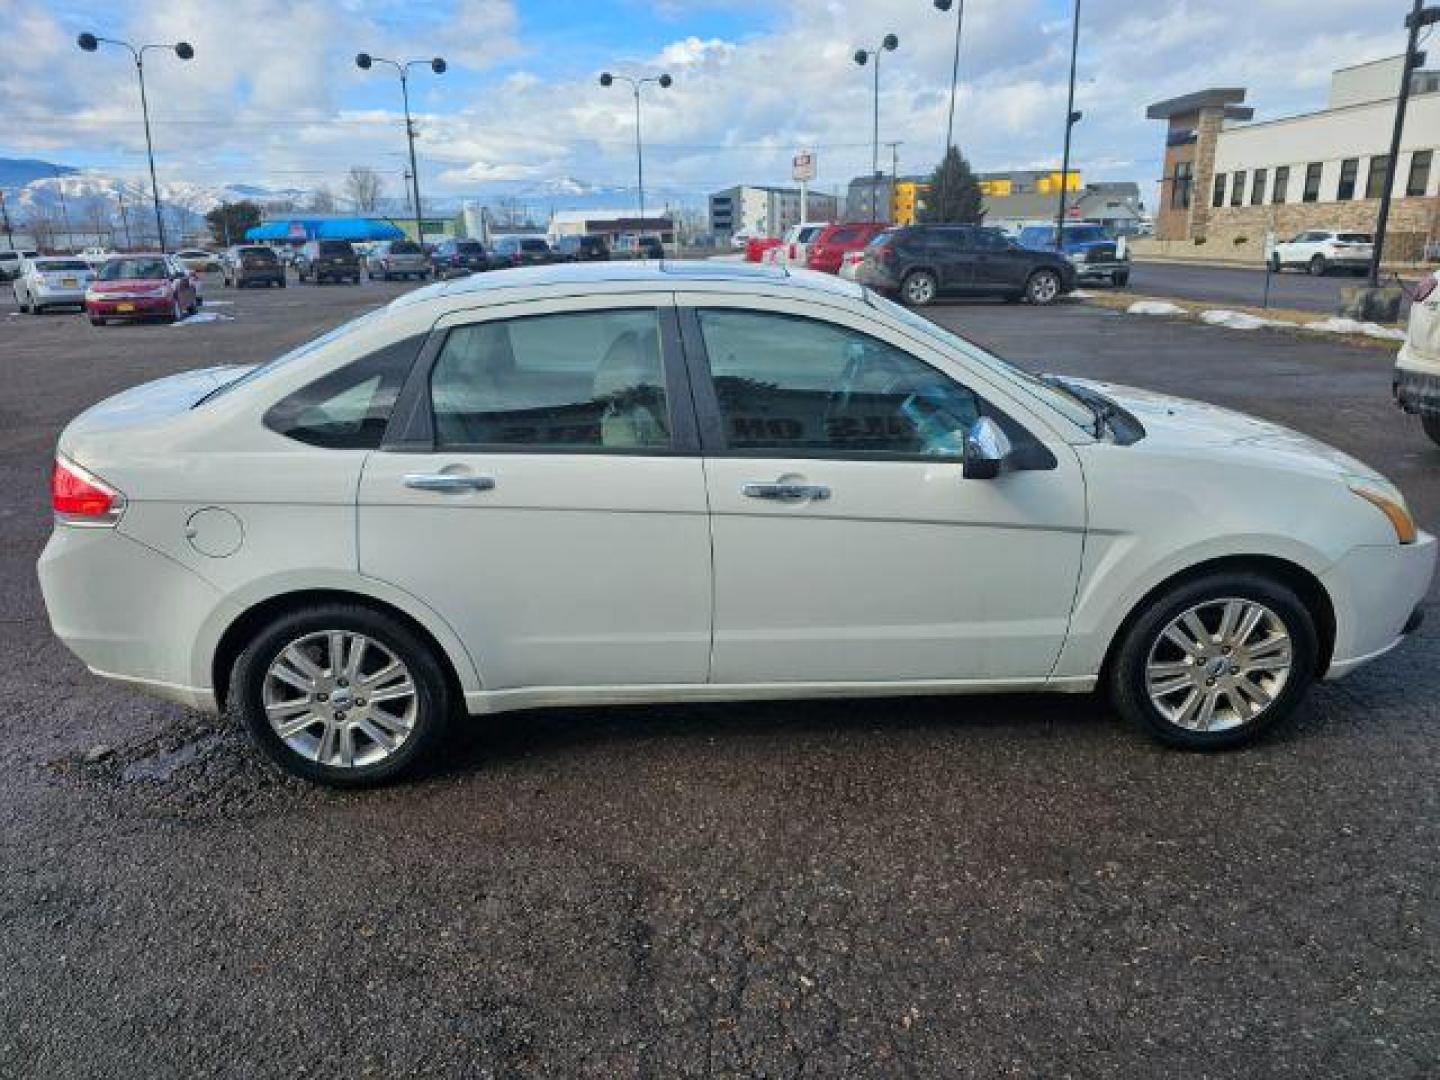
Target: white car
(598, 483)
(10, 261)
(1322, 250)
(50, 281)
(795, 245)
(1417, 367)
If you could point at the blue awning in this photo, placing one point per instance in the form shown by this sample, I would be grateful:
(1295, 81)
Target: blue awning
(302, 228)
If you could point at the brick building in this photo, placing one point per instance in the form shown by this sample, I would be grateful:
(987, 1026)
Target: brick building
(1228, 182)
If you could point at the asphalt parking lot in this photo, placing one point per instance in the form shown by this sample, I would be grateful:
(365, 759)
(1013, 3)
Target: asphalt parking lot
(1246, 285)
(976, 887)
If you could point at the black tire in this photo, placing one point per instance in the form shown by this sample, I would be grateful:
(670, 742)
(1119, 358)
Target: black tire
(1121, 279)
(1275, 264)
(1127, 673)
(434, 700)
(1317, 266)
(281, 283)
(1431, 424)
(1043, 287)
(919, 288)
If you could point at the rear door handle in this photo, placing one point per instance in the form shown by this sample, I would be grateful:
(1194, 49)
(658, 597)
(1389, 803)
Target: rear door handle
(449, 482)
(784, 492)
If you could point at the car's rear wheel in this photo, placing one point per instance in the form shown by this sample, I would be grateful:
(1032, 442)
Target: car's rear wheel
(176, 312)
(1275, 264)
(1431, 423)
(342, 695)
(1043, 287)
(1216, 662)
(1317, 266)
(919, 288)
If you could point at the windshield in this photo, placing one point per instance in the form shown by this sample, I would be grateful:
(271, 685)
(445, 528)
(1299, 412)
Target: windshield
(534, 245)
(405, 247)
(469, 249)
(134, 270)
(335, 247)
(263, 254)
(1059, 399)
(285, 359)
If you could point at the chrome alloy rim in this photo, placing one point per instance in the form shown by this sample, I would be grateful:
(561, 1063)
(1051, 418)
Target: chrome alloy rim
(1045, 288)
(920, 289)
(1219, 665)
(339, 698)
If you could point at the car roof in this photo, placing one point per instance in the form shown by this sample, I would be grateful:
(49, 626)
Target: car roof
(499, 286)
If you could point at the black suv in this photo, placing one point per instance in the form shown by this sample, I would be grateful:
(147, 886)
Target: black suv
(452, 258)
(328, 260)
(523, 251)
(923, 262)
(583, 248)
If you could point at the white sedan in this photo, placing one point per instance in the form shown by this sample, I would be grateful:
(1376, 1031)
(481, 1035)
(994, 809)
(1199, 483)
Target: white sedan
(615, 482)
(50, 282)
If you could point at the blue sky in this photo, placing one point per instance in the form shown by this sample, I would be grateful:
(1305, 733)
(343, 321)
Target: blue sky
(273, 96)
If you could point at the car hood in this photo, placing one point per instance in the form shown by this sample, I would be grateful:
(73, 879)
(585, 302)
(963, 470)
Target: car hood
(145, 404)
(1182, 426)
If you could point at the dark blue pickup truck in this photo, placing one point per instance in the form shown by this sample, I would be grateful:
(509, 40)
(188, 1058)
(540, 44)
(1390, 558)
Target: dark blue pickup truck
(1095, 254)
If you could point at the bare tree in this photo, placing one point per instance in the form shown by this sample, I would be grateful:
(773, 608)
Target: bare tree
(364, 187)
(322, 200)
(40, 223)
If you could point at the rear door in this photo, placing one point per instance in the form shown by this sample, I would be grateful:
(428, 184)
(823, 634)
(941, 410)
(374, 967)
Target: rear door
(1000, 265)
(953, 255)
(545, 496)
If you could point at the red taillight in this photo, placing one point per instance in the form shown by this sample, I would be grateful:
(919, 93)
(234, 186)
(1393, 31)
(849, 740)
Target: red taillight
(79, 498)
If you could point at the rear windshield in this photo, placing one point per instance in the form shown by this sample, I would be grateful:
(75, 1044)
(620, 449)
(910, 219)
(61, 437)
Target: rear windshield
(62, 264)
(1354, 238)
(134, 270)
(534, 245)
(336, 247)
(9, 256)
(263, 254)
(470, 248)
(405, 247)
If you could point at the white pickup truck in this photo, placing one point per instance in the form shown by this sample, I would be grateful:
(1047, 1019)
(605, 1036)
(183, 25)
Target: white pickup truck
(1417, 368)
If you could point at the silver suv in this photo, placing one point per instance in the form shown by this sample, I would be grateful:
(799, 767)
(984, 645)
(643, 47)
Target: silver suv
(397, 258)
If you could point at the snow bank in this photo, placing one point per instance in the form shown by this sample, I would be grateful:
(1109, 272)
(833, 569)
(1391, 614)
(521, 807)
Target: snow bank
(1154, 307)
(204, 317)
(1238, 320)
(1354, 326)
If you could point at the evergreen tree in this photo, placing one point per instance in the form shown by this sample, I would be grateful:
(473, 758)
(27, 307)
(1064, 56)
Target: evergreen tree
(954, 197)
(228, 221)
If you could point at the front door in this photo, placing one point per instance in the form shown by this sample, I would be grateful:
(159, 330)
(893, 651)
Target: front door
(848, 545)
(547, 505)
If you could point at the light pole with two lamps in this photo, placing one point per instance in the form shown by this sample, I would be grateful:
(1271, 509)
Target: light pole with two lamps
(1072, 117)
(364, 61)
(862, 56)
(183, 49)
(662, 81)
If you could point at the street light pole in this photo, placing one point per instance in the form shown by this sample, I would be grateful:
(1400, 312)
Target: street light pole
(364, 61)
(663, 81)
(1071, 117)
(1419, 16)
(888, 44)
(185, 51)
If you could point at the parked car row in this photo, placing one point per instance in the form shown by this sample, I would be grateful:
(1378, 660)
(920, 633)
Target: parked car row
(123, 288)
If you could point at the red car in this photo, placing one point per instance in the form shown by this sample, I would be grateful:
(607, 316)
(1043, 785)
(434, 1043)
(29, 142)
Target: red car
(141, 287)
(756, 247)
(827, 249)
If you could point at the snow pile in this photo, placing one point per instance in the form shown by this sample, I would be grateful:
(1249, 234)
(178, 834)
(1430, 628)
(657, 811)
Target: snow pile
(1238, 320)
(1354, 326)
(204, 317)
(1154, 307)
(1079, 294)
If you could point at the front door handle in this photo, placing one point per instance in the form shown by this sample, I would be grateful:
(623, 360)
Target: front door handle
(784, 492)
(449, 482)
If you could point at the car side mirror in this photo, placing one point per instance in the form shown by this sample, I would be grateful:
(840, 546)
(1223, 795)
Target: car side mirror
(986, 449)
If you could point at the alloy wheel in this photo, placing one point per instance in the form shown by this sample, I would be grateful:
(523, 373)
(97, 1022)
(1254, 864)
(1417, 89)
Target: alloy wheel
(340, 698)
(1219, 665)
(919, 289)
(1044, 288)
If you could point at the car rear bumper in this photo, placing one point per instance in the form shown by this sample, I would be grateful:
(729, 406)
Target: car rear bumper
(1376, 592)
(59, 296)
(136, 307)
(128, 612)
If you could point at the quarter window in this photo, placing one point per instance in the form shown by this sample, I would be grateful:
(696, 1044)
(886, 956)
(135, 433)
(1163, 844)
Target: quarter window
(794, 386)
(347, 409)
(582, 381)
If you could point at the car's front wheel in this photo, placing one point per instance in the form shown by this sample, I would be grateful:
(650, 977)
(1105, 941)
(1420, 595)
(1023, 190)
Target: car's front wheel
(1216, 662)
(1043, 287)
(1317, 265)
(919, 288)
(342, 695)
(1431, 423)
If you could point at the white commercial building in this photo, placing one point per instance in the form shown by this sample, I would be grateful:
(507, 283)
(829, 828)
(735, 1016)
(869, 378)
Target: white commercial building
(766, 211)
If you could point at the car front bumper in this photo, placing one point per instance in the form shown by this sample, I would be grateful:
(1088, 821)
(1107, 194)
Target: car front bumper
(1376, 591)
(1100, 271)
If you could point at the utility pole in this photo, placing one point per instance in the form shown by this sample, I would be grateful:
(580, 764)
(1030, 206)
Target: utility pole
(1071, 116)
(1419, 16)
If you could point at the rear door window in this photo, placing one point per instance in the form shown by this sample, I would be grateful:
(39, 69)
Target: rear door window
(348, 408)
